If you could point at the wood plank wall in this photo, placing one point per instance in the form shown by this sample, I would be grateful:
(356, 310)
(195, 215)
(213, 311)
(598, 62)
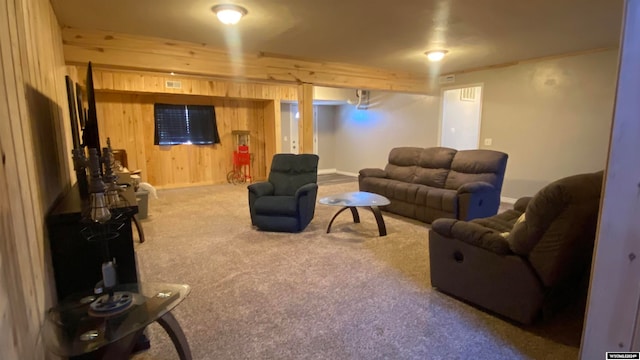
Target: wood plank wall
(35, 168)
(127, 119)
(141, 53)
(242, 105)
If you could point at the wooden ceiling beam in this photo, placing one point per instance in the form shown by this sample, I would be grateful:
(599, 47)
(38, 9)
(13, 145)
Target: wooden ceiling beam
(122, 51)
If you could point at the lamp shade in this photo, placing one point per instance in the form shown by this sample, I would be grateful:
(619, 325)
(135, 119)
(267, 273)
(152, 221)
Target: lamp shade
(436, 55)
(229, 14)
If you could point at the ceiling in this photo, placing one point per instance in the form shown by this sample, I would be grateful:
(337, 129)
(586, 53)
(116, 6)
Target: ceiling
(380, 33)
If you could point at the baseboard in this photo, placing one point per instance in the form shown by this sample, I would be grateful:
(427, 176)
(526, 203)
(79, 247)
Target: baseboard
(326, 171)
(508, 200)
(347, 173)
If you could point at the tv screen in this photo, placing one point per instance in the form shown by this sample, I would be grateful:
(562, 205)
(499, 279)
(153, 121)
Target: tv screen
(90, 135)
(185, 124)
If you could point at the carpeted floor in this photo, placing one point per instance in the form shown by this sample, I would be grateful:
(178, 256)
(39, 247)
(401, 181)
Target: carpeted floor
(345, 295)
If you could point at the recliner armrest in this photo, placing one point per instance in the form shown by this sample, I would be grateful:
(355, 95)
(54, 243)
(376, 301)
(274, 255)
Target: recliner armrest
(305, 189)
(371, 172)
(261, 188)
(521, 204)
(473, 234)
(476, 187)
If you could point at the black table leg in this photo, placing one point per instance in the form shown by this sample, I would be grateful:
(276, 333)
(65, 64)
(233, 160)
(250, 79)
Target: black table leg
(382, 229)
(354, 213)
(173, 329)
(136, 222)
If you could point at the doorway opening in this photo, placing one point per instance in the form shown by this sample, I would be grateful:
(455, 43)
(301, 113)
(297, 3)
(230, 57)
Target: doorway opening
(461, 117)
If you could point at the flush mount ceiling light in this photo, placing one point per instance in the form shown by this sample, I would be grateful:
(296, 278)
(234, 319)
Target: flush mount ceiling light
(436, 55)
(229, 14)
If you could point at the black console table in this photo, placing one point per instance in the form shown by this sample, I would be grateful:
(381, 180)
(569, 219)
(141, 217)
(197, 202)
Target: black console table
(76, 261)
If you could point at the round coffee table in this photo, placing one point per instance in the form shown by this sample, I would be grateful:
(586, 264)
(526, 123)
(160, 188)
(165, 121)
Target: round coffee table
(352, 200)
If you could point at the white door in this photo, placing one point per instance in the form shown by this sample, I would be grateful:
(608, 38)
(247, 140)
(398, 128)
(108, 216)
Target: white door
(461, 114)
(293, 131)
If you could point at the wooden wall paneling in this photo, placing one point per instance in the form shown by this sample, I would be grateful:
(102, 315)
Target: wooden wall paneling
(305, 123)
(153, 54)
(272, 132)
(17, 140)
(128, 119)
(150, 82)
(258, 141)
(13, 317)
(149, 156)
(13, 306)
(35, 149)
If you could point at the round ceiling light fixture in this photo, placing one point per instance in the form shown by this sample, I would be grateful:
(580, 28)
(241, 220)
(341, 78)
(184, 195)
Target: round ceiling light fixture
(229, 14)
(436, 55)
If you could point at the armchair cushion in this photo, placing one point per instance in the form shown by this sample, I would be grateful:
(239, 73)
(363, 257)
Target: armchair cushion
(519, 241)
(289, 172)
(472, 233)
(276, 205)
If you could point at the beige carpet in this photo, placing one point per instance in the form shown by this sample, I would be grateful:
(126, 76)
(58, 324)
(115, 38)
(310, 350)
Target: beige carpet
(345, 295)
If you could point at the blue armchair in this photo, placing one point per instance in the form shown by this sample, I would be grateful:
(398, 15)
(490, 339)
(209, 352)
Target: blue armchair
(287, 201)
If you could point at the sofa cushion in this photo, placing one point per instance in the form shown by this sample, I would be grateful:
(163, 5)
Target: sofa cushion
(404, 192)
(402, 163)
(435, 198)
(476, 165)
(381, 186)
(431, 177)
(405, 156)
(433, 166)
(401, 173)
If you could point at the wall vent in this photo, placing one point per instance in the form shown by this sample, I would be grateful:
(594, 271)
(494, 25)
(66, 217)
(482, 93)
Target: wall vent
(447, 79)
(173, 84)
(468, 94)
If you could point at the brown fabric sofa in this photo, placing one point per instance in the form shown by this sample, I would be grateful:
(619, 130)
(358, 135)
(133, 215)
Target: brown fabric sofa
(524, 262)
(437, 182)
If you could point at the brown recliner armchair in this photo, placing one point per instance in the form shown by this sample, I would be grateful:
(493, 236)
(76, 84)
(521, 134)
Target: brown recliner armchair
(526, 261)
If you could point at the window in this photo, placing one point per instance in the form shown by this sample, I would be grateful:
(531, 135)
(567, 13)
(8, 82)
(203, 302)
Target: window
(185, 124)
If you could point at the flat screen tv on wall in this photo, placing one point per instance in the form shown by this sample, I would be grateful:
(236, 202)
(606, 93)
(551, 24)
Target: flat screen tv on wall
(90, 135)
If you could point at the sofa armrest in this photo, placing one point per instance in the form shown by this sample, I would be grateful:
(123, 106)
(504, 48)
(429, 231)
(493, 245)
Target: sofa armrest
(475, 187)
(371, 172)
(473, 234)
(521, 204)
(261, 188)
(477, 200)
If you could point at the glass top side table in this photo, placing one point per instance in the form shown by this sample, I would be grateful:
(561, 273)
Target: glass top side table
(72, 329)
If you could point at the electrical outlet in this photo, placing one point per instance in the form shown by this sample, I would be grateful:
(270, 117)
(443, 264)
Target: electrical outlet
(488, 141)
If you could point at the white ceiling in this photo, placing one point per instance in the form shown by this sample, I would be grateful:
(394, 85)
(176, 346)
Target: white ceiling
(379, 33)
